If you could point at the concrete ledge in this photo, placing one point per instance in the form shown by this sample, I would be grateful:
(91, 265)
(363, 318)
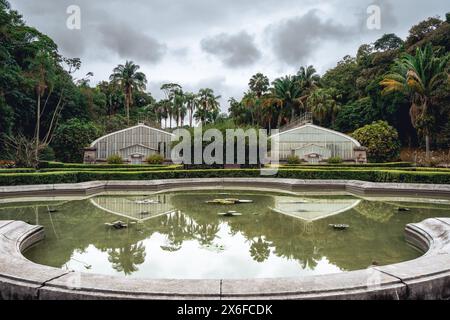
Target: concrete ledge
(427, 277)
(351, 186)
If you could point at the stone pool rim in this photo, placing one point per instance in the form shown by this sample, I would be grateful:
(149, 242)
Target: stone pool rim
(427, 277)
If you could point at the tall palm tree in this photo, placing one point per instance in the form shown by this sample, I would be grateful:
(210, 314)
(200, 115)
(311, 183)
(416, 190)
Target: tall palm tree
(259, 84)
(287, 93)
(129, 79)
(308, 77)
(178, 105)
(418, 77)
(251, 101)
(323, 105)
(208, 104)
(171, 90)
(237, 111)
(308, 80)
(191, 104)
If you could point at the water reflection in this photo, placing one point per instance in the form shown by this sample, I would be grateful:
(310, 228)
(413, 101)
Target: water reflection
(183, 237)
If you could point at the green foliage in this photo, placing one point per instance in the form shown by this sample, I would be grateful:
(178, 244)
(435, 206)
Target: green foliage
(335, 160)
(114, 159)
(72, 137)
(155, 159)
(356, 115)
(48, 154)
(293, 159)
(388, 42)
(381, 140)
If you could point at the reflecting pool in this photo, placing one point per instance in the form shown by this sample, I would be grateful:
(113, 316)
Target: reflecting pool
(179, 235)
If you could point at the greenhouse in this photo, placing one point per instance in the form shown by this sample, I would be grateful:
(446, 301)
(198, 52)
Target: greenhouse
(133, 144)
(314, 144)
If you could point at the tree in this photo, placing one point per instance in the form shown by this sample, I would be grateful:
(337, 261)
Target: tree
(381, 140)
(191, 104)
(208, 106)
(72, 137)
(170, 91)
(389, 41)
(418, 77)
(356, 115)
(259, 84)
(323, 105)
(286, 93)
(419, 31)
(129, 79)
(308, 77)
(251, 101)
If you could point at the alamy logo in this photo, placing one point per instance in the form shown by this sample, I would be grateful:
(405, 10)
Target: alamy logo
(374, 19)
(73, 22)
(250, 147)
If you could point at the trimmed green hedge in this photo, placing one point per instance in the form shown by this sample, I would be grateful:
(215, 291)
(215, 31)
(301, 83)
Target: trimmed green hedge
(364, 175)
(349, 165)
(60, 165)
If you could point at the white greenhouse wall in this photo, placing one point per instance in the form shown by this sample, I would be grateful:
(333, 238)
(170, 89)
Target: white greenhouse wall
(140, 139)
(338, 144)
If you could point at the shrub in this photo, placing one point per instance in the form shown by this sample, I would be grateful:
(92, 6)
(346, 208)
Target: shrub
(47, 154)
(293, 159)
(6, 164)
(155, 159)
(381, 140)
(114, 159)
(72, 137)
(335, 160)
(395, 176)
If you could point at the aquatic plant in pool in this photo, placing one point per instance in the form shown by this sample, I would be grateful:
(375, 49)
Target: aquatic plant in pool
(185, 235)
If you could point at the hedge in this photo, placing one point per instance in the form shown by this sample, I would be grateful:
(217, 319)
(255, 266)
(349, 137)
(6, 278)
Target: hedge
(60, 165)
(350, 165)
(364, 175)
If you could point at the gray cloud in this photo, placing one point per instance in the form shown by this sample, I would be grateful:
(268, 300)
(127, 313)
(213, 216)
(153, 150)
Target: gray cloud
(131, 44)
(235, 50)
(295, 39)
(294, 35)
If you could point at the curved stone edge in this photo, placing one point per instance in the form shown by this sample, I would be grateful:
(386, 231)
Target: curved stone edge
(427, 277)
(351, 186)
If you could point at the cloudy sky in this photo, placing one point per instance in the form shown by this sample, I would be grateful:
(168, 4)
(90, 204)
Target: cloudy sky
(218, 43)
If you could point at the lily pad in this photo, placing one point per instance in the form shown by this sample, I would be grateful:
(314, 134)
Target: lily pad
(230, 214)
(340, 226)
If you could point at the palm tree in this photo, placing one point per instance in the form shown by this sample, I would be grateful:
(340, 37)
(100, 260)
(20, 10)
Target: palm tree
(323, 105)
(251, 101)
(191, 104)
(208, 104)
(418, 77)
(129, 79)
(237, 111)
(286, 93)
(259, 84)
(308, 81)
(178, 106)
(308, 77)
(170, 91)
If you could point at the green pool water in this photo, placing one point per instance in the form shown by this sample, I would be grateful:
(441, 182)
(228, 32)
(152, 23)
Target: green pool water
(177, 235)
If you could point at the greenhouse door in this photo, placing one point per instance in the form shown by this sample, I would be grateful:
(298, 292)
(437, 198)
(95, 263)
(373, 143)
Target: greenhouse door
(136, 159)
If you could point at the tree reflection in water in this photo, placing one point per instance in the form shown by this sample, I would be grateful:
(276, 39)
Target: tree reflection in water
(260, 249)
(126, 258)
